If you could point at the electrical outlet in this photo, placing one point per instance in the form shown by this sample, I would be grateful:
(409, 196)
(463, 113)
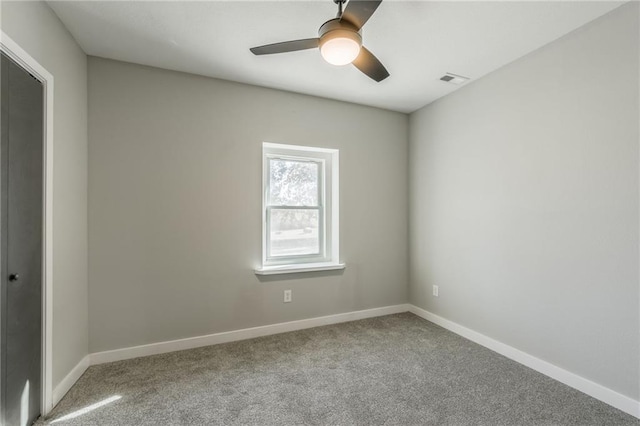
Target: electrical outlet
(287, 296)
(435, 290)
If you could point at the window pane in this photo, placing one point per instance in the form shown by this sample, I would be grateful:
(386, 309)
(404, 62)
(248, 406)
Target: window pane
(294, 232)
(293, 183)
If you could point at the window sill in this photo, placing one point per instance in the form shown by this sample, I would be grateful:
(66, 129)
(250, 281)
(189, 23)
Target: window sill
(296, 269)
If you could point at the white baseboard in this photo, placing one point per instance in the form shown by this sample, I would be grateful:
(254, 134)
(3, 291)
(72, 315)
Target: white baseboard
(235, 335)
(602, 393)
(70, 379)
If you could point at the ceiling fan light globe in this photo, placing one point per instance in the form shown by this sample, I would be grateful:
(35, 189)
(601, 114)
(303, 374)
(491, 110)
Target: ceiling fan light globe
(340, 51)
(340, 47)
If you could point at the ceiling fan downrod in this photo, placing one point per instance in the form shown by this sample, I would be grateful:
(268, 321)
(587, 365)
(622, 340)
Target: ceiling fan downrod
(339, 3)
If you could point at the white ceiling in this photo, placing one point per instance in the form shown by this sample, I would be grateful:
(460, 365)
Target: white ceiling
(418, 41)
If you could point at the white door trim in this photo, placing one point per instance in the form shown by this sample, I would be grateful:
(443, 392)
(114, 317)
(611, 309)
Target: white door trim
(26, 61)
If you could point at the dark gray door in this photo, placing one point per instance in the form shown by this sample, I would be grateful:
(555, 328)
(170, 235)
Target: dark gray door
(21, 212)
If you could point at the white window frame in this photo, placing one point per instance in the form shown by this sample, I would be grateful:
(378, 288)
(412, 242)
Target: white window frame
(328, 205)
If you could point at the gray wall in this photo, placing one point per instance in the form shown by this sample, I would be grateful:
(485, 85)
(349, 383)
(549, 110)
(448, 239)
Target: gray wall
(524, 203)
(38, 31)
(175, 199)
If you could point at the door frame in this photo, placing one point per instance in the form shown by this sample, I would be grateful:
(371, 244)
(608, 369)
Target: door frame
(28, 63)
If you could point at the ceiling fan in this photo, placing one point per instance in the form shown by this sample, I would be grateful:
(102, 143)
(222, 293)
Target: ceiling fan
(339, 40)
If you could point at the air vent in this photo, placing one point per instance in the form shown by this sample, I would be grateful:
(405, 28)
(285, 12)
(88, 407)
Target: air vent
(454, 79)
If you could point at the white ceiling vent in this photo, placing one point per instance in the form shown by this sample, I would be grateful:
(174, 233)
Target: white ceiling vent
(454, 79)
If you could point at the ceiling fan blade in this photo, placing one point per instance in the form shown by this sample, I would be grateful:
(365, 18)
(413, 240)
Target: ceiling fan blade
(286, 46)
(358, 12)
(370, 65)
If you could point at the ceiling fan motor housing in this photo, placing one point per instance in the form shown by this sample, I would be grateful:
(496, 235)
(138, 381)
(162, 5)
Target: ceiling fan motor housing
(336, 28)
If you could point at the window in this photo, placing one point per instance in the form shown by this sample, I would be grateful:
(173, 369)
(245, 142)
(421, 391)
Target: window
(299, 209)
